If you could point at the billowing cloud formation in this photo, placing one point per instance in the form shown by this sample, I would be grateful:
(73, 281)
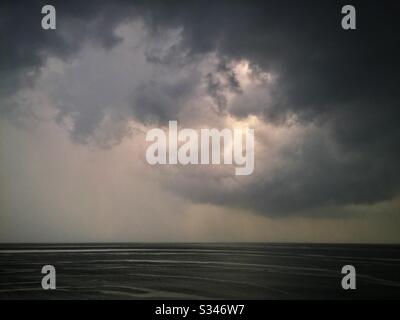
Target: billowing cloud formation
(337, 89)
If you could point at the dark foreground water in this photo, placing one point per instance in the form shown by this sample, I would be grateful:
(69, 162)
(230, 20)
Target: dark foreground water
(199, 271)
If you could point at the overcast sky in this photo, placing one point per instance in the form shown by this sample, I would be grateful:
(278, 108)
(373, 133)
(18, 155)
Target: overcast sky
(76, 103)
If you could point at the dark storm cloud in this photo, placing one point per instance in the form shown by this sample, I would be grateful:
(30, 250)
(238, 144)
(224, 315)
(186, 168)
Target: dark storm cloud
(309, 176)
(25, 45)
(343, 81)
(322, 69)
(159, 102)
(220, 81)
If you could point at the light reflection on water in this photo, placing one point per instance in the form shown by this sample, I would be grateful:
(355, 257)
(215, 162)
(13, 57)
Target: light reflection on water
(198, 271)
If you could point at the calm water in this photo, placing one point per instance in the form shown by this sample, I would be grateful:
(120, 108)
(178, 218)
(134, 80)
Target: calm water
(199, 271)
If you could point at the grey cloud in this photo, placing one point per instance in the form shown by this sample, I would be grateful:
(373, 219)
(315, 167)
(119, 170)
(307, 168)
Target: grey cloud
(220, 82)
(216, 90)
(312, 174)
(345, 82)
(25, 46)
(160, 101)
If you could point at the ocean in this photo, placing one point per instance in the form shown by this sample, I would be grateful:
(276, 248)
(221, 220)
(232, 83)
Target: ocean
(199, 271)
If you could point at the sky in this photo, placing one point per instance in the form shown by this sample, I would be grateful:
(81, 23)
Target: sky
(76, 103)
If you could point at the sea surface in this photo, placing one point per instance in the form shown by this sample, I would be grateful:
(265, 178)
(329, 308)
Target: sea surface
(199, 271)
